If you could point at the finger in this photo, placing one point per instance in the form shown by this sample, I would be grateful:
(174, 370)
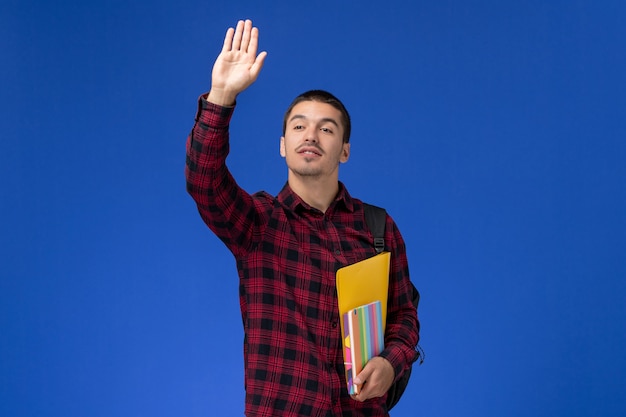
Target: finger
(254, 41)
(364, 374)
(245, 40)
(238, 35)
(228, 40)
(364, 393)
(356, 397)
(255, 69)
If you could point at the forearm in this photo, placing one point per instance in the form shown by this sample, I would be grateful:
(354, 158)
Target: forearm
(222, 204)
(401, 337)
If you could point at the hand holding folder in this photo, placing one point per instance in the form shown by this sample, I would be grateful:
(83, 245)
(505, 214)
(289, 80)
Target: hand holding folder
(362, 297)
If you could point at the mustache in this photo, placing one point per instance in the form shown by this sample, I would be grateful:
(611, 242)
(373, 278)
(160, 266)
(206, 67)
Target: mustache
(309, 146)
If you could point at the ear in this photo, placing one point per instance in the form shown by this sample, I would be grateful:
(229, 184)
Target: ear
(345, 153)
(282, 146)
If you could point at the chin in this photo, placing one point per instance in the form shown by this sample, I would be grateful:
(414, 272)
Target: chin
(307, 172)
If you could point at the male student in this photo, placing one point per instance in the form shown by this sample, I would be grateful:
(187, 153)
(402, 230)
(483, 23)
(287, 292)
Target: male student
(288, 248)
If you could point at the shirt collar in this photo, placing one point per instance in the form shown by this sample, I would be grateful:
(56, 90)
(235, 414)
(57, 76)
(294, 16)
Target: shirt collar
(343, 200)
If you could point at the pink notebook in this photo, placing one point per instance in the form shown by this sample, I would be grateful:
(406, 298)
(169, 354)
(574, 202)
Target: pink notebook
(363, 338)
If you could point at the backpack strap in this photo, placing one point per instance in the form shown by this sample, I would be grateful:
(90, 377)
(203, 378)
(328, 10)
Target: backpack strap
(376, 217)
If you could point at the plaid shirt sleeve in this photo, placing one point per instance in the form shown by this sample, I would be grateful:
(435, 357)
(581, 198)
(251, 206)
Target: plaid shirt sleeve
(227, 209)
(402, 334)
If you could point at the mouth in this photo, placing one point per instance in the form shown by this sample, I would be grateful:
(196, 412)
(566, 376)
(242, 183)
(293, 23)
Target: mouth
(309, 151)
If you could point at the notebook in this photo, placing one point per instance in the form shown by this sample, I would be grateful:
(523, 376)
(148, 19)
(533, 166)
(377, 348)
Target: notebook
(363, 338)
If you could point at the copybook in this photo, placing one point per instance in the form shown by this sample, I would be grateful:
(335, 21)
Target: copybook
(363, 338)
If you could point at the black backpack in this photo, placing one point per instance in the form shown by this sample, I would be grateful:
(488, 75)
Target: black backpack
(376, 217)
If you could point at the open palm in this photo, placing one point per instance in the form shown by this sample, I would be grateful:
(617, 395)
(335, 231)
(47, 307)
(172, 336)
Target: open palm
(238, 64)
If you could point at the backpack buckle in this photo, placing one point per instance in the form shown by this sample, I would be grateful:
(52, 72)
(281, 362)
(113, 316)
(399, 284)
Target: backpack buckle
(379, 244)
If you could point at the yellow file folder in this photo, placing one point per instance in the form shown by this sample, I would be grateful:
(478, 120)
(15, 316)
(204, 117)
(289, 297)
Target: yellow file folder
(362, 283)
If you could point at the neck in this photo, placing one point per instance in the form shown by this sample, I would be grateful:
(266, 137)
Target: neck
(316, 192)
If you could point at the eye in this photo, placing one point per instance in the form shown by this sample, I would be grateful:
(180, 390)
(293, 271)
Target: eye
(326, 130)
(298, 127)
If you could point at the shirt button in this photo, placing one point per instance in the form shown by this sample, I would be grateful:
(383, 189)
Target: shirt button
(337, 252)
(334, 324)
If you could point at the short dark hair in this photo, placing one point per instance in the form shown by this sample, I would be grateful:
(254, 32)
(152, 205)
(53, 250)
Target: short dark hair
(322, 97)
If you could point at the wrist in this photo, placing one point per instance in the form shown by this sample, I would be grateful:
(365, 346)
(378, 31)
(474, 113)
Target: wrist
(221, 97)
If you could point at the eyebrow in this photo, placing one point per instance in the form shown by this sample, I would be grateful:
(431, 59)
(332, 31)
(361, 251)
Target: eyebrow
(323, 120)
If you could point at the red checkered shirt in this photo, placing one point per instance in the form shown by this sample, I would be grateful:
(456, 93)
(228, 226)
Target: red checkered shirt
(287, 255)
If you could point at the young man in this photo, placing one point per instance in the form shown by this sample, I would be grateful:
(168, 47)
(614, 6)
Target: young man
(289, 247)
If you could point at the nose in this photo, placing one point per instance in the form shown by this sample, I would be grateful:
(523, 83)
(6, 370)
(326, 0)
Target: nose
(311, 136)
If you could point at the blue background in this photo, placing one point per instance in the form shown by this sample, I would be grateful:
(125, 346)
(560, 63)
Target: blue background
(492, 131)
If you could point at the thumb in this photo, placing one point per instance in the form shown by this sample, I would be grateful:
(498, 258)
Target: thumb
(255, 69)
(363, 375)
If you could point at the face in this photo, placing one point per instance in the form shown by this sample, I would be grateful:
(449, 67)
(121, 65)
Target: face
(313, 142)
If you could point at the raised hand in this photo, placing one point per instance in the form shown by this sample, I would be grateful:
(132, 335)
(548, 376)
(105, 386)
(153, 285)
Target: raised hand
(238, 65)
